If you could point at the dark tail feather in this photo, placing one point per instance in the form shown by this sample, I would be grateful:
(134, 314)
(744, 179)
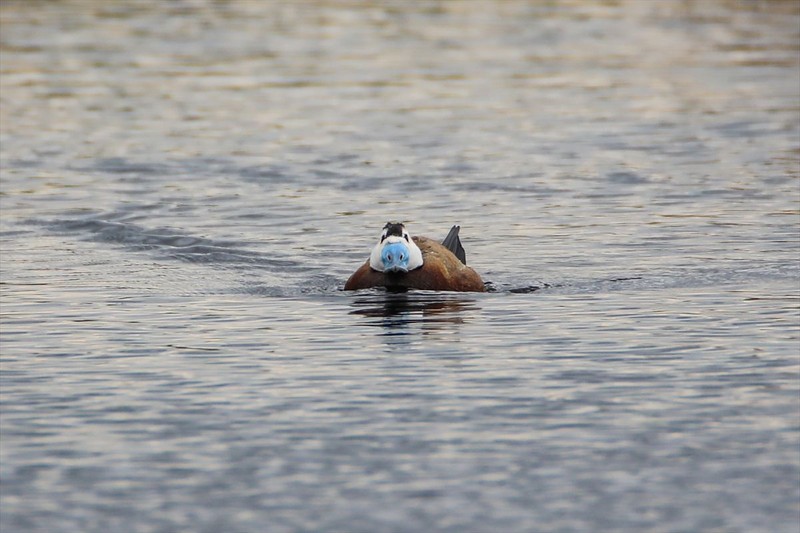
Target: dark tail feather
(453, 243)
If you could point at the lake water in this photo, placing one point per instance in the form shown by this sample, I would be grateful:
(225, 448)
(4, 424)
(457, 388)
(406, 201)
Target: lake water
(187, 185)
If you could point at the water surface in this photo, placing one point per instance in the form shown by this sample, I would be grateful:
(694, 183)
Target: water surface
(186, 186)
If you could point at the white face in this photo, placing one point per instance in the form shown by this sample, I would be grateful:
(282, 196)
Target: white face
(381, 259)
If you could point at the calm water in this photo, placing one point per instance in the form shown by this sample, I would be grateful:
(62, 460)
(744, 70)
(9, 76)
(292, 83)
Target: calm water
(187, 185)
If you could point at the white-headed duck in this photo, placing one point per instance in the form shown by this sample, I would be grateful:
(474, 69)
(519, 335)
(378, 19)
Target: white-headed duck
(400, 262)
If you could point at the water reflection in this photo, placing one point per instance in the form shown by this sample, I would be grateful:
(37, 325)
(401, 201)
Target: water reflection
(396, 311)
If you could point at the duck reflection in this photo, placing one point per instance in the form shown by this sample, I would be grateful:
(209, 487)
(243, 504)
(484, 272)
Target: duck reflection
(398, 311)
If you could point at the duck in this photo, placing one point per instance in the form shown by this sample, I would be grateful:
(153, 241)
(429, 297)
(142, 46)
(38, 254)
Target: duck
(399, 262)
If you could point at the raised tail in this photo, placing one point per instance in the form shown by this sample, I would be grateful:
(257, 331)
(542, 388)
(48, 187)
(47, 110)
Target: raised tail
(453, 243)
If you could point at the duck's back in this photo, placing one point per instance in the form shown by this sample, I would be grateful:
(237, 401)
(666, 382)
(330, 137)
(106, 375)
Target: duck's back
(441, 270)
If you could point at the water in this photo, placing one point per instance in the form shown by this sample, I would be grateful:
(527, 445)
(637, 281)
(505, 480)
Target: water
(187, 185)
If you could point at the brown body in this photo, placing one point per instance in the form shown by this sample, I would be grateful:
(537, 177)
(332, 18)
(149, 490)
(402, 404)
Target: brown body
(440, 271)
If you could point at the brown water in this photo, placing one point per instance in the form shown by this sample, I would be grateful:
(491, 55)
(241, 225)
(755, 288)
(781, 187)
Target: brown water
(186, 186)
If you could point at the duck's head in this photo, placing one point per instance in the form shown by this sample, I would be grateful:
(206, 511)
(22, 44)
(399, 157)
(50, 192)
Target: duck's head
(396, 252)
